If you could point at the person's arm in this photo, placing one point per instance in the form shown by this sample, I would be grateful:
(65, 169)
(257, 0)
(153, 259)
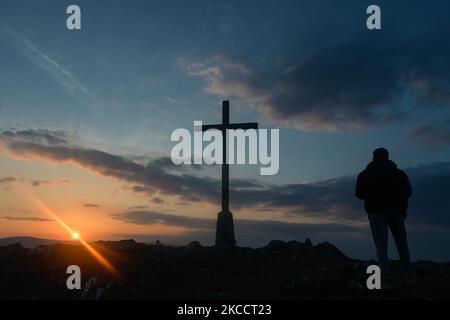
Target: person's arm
(407, 189)
(360, 191)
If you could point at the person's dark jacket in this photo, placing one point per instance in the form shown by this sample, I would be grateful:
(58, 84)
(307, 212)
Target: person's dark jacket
(384, 187)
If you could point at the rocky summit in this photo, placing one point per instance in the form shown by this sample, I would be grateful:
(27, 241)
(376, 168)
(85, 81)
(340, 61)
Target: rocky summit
(279, 270)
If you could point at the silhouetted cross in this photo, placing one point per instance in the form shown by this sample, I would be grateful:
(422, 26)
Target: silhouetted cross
(225, 170)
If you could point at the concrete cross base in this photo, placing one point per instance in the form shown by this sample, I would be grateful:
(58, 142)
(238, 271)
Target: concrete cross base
(225, 230)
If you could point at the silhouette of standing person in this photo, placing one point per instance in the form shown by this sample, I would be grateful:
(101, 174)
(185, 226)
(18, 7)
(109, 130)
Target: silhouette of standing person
(385, 190)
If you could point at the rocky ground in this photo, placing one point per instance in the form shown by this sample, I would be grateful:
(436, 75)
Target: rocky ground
(280, 270)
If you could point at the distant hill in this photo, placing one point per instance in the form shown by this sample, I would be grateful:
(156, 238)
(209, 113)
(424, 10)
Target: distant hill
(29, 242)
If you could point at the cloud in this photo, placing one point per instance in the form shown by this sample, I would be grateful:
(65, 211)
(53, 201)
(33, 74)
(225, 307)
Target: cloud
(352, 84)
(71, 85)
(157, 200)
(250, 232)
(157, 176)
(42, 60)
(143, 217)
(152, 179)
(437, 133)
(30, 219)
(37, 135)
(140, 207)
(91, 205)
(7, 180)
(334, 199)
(331, 200)
(38, 183)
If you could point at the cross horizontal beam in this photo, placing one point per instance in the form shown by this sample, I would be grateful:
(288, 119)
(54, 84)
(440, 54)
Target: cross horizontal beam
(233, 126)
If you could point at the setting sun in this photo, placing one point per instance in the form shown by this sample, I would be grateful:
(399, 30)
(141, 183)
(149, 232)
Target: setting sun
(75, 235)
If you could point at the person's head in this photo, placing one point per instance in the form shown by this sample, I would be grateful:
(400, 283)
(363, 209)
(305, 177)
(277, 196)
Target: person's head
(380, 154)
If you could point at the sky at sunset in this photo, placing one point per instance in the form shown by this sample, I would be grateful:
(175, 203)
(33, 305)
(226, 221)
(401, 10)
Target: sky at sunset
(86, 117)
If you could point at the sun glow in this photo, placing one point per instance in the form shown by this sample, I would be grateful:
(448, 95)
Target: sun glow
(75, 235)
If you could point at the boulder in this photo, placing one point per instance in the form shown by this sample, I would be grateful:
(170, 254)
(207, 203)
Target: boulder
(194, 245)
(276, 245)
(327, 250)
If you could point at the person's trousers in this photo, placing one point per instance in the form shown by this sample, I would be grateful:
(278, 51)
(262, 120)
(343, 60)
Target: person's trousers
(379, 224)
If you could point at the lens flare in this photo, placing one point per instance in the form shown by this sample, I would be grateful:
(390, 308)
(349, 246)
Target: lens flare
(75, 235)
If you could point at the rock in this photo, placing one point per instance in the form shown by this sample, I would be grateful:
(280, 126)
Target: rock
(354, 285)
(276, 245)
(13, 252)
(128, 244)
(191, 251)
(194, 245)
(327, 250)
(299, 250)
(194, 271)
(308, 242)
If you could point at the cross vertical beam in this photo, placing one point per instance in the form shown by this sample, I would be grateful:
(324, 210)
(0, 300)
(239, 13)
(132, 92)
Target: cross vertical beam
(225, 167)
